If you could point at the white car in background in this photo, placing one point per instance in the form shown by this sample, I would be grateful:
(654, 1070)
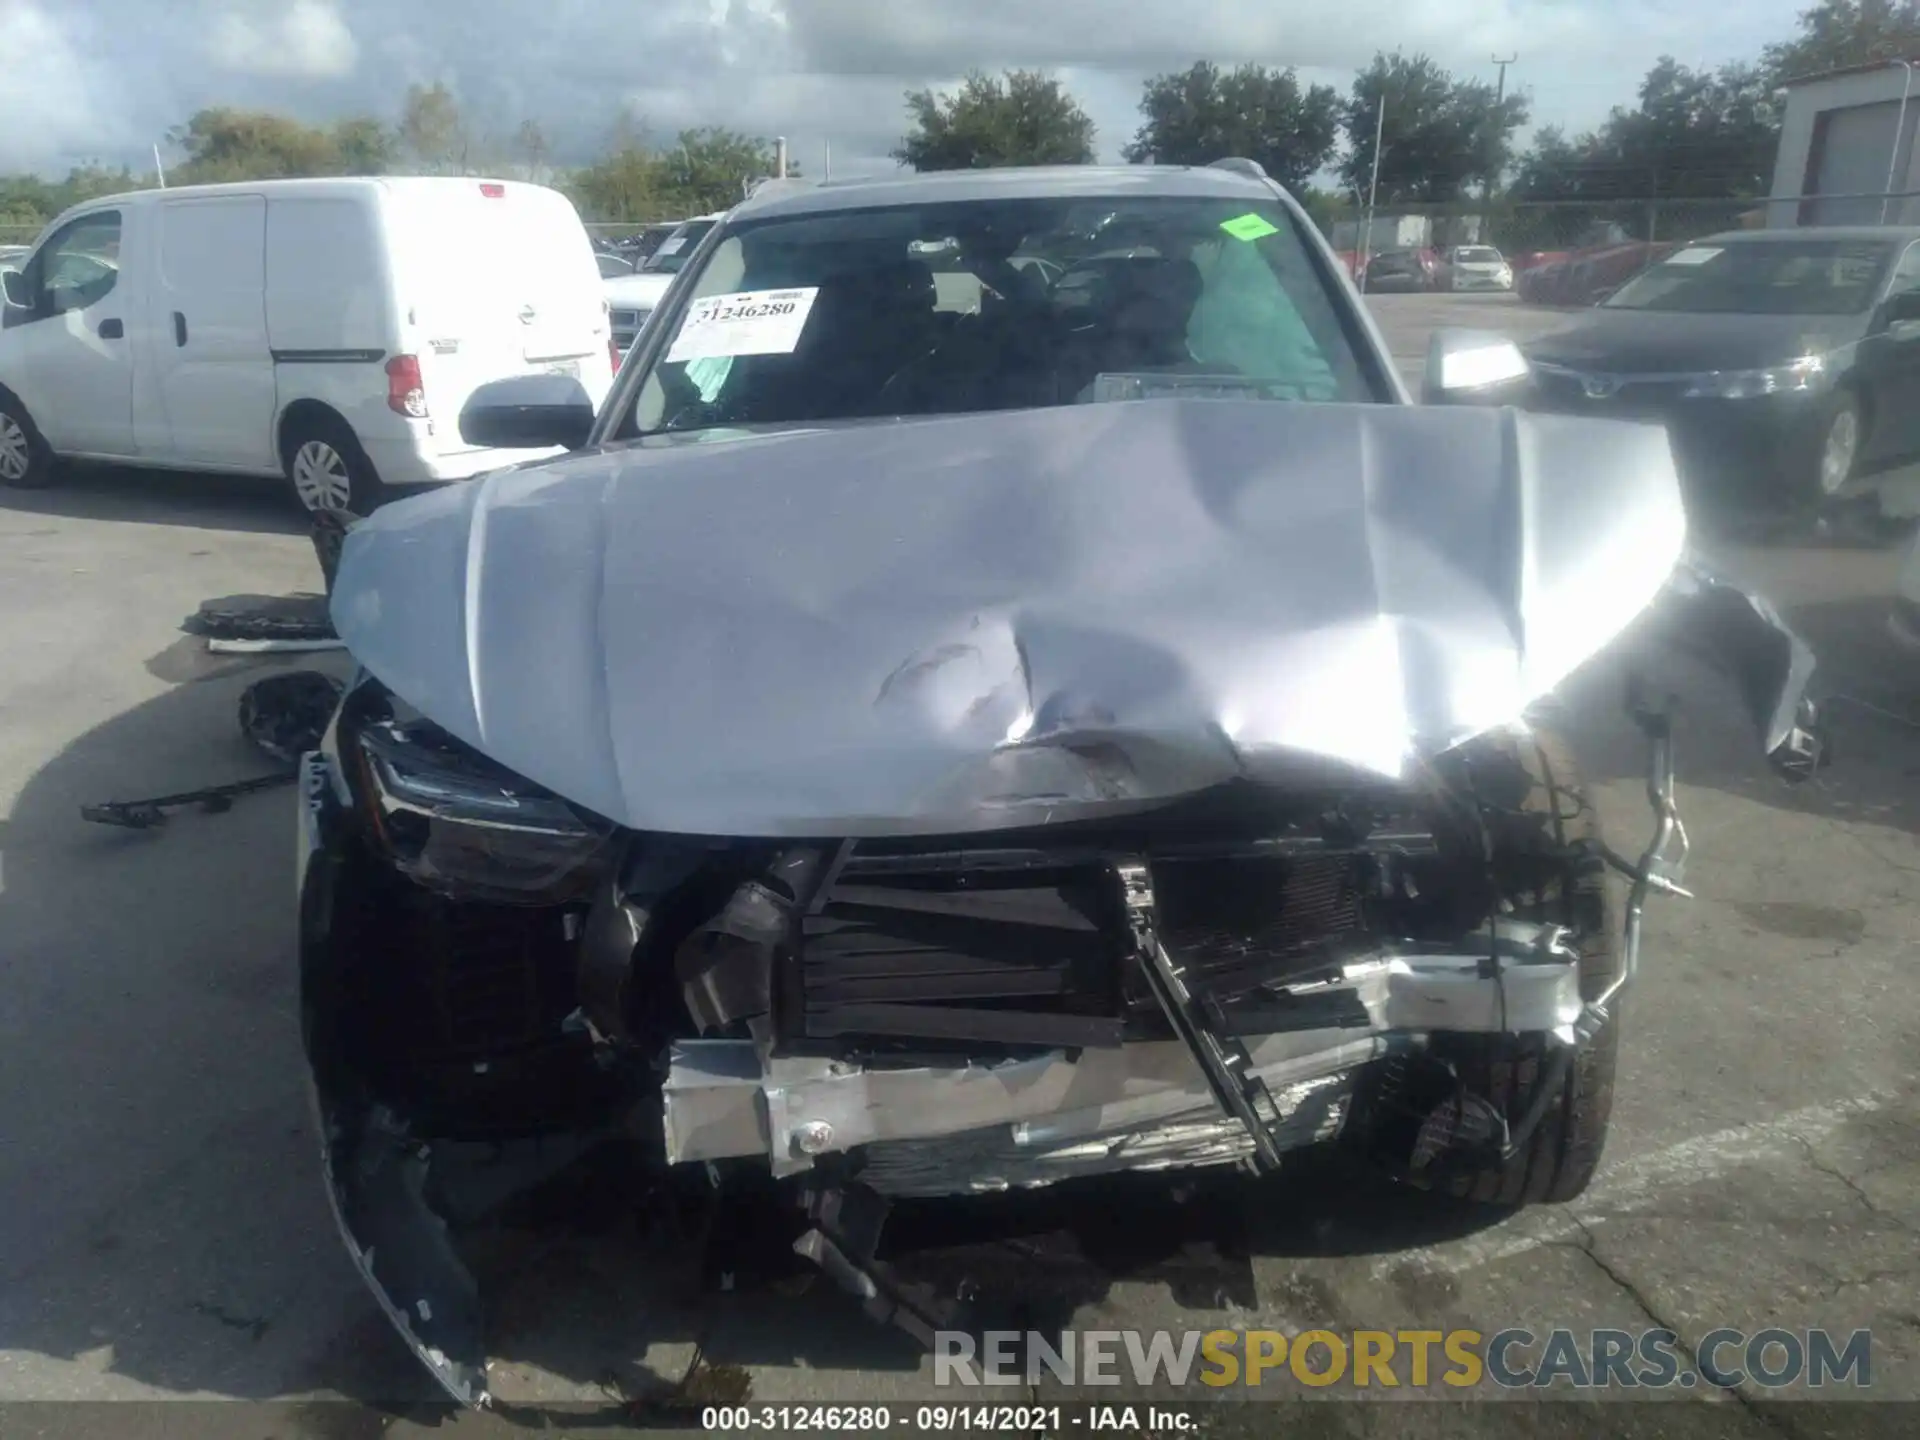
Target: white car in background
(631, 298)
(324, 331)
(1475, 267)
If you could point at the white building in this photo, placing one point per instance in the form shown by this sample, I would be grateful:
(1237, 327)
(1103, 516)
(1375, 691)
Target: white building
(1846, 148)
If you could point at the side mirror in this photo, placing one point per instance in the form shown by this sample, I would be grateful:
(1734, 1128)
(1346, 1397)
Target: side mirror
(1473, 367)
(528, 412)
(15, 285)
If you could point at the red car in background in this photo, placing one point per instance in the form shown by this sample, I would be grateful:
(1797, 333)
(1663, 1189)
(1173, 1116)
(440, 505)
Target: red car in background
(1589, 273)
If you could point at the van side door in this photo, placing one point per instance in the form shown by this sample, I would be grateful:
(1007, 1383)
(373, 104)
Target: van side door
(208, 326)
(67, 352)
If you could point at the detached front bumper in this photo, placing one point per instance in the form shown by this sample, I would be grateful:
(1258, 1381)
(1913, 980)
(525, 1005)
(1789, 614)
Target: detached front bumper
(398, 1178)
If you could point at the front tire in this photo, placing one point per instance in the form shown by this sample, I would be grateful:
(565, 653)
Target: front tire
(1838, 440)
(25, 461)
(329, 471)
(1539, 811)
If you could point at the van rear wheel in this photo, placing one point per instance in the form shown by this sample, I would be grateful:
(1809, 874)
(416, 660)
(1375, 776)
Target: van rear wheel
(329, 471)
(25, 461)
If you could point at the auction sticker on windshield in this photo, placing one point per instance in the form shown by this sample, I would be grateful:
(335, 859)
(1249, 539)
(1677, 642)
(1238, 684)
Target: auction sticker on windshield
(752, 322)
(1694, 255)
(1249, 227)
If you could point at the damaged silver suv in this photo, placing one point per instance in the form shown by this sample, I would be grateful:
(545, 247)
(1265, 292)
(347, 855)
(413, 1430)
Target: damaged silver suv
(1009, 688)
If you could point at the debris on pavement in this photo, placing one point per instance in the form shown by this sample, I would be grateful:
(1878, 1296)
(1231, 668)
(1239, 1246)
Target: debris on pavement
(282, 714)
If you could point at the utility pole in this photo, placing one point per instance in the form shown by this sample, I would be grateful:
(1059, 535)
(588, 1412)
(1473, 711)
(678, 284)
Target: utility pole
(1373, 188)
(1499, 99)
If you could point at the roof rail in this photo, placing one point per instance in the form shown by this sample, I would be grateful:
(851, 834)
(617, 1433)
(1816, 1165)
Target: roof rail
(1240, 165)
(776, 185)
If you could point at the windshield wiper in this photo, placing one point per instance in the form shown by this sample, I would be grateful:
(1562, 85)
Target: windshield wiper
(1191, 386)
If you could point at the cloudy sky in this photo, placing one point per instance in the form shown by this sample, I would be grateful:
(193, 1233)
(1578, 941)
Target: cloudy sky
(105, 78)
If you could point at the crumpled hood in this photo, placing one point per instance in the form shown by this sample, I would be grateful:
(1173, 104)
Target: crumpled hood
(957, 624)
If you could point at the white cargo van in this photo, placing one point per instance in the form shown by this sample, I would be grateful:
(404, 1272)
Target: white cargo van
(327, 331)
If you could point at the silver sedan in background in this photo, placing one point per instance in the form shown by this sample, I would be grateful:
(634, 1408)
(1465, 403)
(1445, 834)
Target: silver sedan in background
(1475, 267)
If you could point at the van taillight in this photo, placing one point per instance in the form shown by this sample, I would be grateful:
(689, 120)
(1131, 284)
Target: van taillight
(406, 391)
(613, 354)
(493, 192)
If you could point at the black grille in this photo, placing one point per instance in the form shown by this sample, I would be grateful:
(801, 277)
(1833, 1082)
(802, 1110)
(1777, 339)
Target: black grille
(1627, 399)
(1029, 958)
(1241, 923)
(482, 981)
(1016, 948)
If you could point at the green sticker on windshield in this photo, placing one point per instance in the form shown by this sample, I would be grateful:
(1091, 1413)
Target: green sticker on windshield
(1249, 227)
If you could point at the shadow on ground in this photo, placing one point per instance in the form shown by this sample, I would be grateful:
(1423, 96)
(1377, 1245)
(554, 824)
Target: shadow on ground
(163, 497)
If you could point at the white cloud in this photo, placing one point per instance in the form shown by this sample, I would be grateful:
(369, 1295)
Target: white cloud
(55, 96)
(306, 39)
(106, 80)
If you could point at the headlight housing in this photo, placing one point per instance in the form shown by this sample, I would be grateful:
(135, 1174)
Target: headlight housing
(1808, 373)
(456, 822)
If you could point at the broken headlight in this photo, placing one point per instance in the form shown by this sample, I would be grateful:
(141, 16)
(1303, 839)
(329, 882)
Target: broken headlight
(457, 822)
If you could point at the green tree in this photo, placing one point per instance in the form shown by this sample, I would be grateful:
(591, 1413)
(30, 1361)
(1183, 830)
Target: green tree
(1694, 138)
(1201, 114)
(1838, 33)
(364, 146)
(27, 202)
(223, 143)
(626, 186)
(1441, 134)
(708, 169)
(532, 149)
(1023, 118)
(433, 131)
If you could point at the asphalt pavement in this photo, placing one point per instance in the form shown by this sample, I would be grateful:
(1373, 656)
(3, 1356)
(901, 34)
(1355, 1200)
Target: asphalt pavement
(163, 1233)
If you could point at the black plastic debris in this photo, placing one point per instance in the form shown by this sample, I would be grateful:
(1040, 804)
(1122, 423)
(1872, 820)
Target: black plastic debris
(278, 622)
(263, 617)
(285, 715)
(330, 529)
(151, 814)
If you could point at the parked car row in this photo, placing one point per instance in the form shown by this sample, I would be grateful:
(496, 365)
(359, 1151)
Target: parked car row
(631, 297)
(324, 331)
(1457, 268)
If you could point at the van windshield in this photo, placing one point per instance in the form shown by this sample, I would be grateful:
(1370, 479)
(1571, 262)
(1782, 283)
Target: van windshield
(994, 305)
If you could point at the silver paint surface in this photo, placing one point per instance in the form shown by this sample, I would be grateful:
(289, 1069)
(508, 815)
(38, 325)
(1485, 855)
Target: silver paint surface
(976, 622)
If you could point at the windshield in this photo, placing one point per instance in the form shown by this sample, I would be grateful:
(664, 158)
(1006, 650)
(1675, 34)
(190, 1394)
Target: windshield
(861, 313)
(1477, 255)
(675, 249)
(1762, 277)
